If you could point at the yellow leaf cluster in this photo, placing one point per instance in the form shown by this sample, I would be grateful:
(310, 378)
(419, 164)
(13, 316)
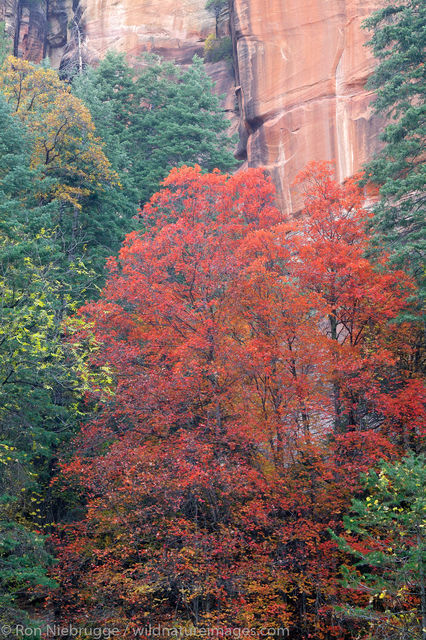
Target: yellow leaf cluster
(64, 142)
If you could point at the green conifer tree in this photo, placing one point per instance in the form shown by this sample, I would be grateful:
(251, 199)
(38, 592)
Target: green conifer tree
(385, 535)
(398, 42)
(155, 117)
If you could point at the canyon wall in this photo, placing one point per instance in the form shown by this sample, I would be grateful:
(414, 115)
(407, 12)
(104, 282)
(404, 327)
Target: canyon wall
(297, 89)
(302, 68)
(175, 29)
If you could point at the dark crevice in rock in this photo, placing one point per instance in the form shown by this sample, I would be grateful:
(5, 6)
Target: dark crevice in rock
(255, 123)
(74, 54)
(243, 131)
(57, 34)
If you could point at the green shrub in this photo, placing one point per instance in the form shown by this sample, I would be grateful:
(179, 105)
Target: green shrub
(216, 49)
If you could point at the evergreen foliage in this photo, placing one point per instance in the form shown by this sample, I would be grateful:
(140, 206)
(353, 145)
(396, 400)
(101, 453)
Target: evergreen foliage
(75, 175)
(154, 118)
(385, 536)
(398, 42)
(24, 561)
(31, 418)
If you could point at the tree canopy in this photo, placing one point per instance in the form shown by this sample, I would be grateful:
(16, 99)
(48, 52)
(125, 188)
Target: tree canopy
(211, 414)
(385, 536)
(156, 116)
(251, 360)
(398, 42)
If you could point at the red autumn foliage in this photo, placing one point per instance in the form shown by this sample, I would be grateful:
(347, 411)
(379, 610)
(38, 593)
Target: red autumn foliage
(256, 375)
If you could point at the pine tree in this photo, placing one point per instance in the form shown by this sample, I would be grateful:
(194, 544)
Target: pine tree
(385, 536)
(156, 117)
(398, 42)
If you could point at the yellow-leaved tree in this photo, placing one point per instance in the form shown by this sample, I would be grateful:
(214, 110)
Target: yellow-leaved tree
(63, 133)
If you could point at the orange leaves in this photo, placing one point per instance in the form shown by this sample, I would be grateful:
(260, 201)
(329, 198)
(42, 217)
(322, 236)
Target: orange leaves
(251, 357)
(242, 200)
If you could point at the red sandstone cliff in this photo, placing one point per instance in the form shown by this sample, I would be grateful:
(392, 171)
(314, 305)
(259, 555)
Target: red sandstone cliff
(300, 67)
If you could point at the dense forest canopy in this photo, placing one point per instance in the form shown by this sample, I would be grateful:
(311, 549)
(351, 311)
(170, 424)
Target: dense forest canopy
(211, 411)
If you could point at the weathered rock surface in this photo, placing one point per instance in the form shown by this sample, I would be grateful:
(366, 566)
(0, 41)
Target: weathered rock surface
(42, 28)
(25, 23)
(175, 29)
(300, 65)
(9, 16)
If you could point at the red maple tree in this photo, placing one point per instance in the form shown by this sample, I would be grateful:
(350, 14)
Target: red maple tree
(256, 375)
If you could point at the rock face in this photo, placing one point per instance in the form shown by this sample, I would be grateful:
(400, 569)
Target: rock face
(300, 67)
(25, 22)
(40, 28)
(9, 16)
(175, 29)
